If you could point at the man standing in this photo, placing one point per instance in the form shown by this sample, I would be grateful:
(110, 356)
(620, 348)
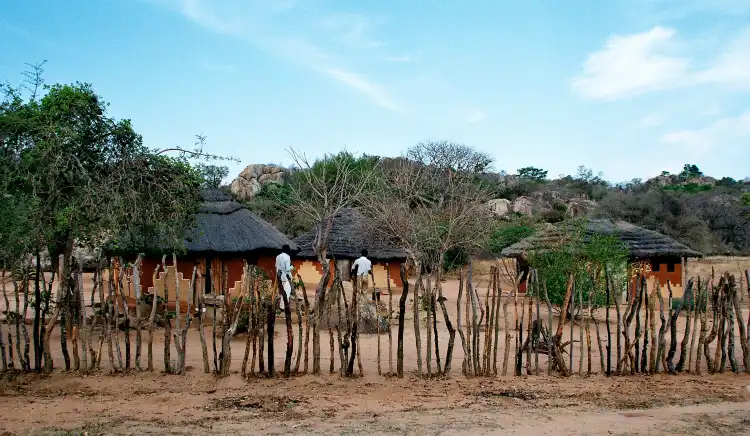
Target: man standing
(284, 272)
(361, 268)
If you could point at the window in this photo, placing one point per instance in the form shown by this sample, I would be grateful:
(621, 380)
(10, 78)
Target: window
(655, 266)
(670, 266)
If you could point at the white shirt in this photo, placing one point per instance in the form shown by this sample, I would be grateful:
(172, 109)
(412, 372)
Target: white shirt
(363, 266)
(284, 266)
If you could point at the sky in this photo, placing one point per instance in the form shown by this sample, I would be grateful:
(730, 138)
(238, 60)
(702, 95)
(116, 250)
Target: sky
(627, 87)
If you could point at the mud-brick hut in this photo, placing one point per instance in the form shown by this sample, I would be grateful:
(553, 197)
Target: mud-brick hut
(665, 257)
(350, 233)
(224, 236)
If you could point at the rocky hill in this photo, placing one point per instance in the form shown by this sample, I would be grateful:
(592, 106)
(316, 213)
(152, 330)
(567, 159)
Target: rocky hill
(709, 214)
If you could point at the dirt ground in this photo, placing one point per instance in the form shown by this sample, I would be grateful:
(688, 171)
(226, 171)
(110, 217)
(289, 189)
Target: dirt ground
(200, 404)
(145, 403)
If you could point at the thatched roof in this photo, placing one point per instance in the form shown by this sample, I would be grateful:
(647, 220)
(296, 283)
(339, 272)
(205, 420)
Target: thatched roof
(224, 226)
(350, 234)
(641, 243)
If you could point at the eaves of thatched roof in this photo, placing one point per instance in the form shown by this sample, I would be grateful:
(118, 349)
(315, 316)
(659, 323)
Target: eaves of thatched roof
(349, 235)
(641, 243)
(225, 227)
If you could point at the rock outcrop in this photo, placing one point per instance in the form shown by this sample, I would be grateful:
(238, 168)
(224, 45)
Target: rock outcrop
(251, 180)
(523, 205)
(500, 206)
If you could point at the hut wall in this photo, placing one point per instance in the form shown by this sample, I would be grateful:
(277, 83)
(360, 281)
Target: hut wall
(663, 269)
(311, 272)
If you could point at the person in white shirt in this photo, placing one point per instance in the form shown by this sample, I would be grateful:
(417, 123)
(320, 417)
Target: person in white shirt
(361, 268)
(284, 272)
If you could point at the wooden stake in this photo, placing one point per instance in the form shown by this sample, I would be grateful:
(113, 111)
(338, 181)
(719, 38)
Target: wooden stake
(464, 344)
(417, 321)
(498, 291)
(390, 317)
(401, 314)
(152, 317)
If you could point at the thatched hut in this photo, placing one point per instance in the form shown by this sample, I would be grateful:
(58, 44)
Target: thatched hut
(665, 256)
(350, 233)
(225, 235)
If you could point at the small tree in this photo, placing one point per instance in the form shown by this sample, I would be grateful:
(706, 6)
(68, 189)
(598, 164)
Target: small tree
(321, 190)
(432, 202)
(533, 174)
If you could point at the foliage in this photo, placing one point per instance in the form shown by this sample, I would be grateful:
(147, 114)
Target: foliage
(689, 188)
(276, 202)
(533, 174)
(508, 234)
(212, 175)
(72, 173)
(583, 255)
(432, 202)
(690, 171)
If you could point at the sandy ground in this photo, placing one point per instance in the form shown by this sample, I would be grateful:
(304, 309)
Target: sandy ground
(145, 403)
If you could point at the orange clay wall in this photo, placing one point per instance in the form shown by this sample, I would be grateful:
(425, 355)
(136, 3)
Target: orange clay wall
(311, 272)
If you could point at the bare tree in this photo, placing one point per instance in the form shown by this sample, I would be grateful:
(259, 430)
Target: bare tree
(431, 201)
(320, 191)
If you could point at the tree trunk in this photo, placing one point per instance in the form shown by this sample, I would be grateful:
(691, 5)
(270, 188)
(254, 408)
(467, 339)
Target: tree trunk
(401, 314)
(646, 333)
(36, 332)
(498, 291)
(8, 318)
(63, 263)
(26, 339)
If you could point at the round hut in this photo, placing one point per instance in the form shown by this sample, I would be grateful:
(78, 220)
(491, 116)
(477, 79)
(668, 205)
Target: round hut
(224, 236)
(666, 258)
(350, 233)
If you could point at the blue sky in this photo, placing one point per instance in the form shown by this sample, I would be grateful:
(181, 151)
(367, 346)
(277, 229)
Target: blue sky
(628, 87)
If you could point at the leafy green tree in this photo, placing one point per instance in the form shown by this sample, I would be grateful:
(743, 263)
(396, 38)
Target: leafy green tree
(70, 174)
(533, 174)
(690, 171)
(583, 254)
(212, 175)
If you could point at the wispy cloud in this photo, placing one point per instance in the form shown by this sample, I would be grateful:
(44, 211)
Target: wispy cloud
(354, 29)
(399, 59)
(378, 95)
(635, 64)
(475, 116)
(253, 21)
(631, 65)
(217, 67)
(727, 131)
